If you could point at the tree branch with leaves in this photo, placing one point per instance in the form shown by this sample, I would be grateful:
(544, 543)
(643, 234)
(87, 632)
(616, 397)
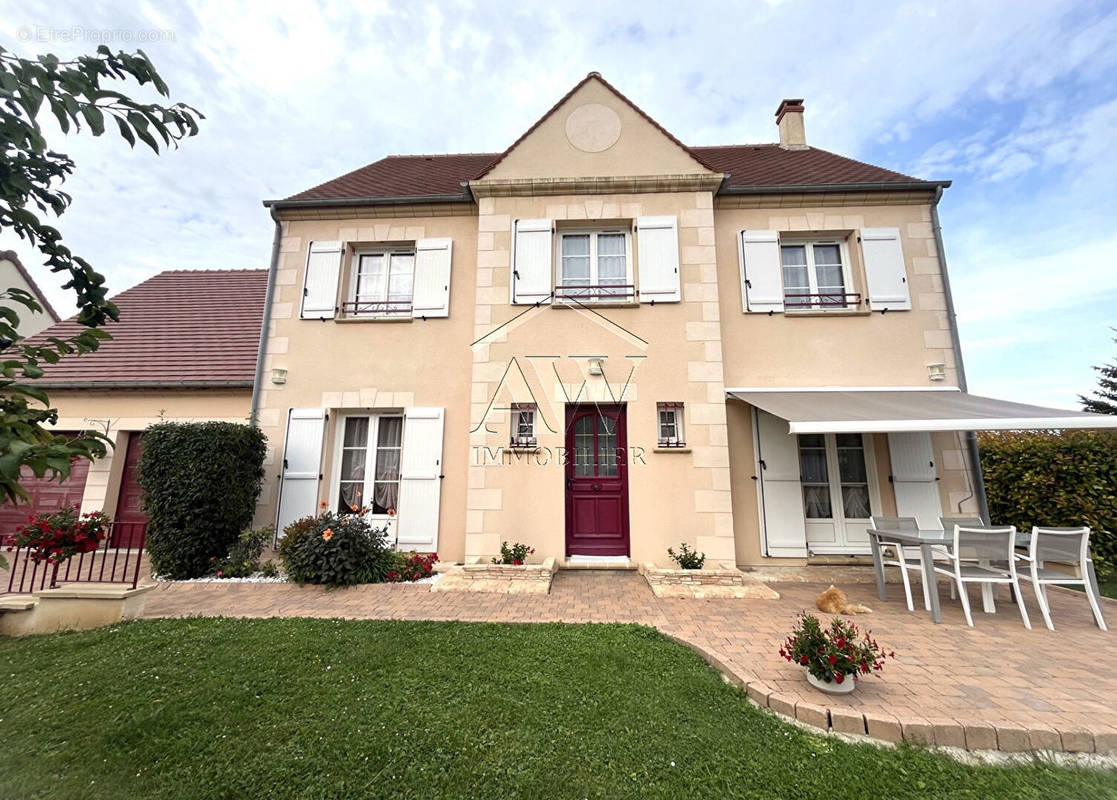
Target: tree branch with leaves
(76, 92)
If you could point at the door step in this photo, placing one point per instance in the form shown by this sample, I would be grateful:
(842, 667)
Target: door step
(598, 562)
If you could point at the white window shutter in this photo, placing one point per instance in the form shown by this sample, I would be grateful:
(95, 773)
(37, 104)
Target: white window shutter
(323, 267)
(432, 278)
(761, 273)
(886, 275)
(914, 479)
(301, 467)
(531, 261)
(783, 521)
(657, 241)
(420, 482)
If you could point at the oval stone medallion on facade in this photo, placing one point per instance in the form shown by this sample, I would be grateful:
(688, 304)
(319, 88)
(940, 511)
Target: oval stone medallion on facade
(593, 128)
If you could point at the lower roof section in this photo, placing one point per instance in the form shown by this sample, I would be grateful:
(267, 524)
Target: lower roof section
(898, 409)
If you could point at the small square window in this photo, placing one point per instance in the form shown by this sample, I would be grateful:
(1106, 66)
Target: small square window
(523, 425)
(670, 417)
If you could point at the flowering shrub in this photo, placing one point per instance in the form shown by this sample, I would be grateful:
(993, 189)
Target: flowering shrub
(687, 558)
(335, 550)
(412, 567)
(516, 554)
(835, 653)
(60, 536)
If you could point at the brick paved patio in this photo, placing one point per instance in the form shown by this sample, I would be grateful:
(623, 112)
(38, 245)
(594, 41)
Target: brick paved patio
(995, 686)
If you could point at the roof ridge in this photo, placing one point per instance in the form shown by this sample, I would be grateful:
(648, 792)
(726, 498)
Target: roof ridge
(207, 270)
(436, 155)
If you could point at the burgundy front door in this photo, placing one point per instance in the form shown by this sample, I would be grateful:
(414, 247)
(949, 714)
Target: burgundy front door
(596, 481)
(130, 517)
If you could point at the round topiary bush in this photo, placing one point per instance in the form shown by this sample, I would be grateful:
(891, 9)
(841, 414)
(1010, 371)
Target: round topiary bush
(335, 550)
(200, 482)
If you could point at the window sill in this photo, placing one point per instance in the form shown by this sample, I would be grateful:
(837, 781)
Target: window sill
(374, 318)
(683, 449)
(837, 312)
(523, 448)
(563, 303)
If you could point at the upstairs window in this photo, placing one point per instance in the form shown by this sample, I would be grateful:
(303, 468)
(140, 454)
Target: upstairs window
(594, 266)
(523, 425)
(814, 276)
(382, 285)
(670, 425)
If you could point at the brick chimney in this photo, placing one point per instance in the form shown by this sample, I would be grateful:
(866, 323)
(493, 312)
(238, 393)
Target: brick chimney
(789, 118)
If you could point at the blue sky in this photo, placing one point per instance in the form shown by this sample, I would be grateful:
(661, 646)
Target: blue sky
(1015, 102)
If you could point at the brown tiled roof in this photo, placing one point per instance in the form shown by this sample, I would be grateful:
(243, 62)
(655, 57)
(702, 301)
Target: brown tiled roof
(404, 176)
(179, 328)
(748, 166)
(755, 165)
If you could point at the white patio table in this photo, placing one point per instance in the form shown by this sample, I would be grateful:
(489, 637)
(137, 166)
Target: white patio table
(925, 540)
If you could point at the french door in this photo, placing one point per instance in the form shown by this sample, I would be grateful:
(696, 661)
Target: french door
(840, 492)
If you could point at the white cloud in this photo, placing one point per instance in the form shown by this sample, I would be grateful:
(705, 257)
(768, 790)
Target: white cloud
(296, 93)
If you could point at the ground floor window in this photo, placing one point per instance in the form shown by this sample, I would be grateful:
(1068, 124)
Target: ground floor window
(523, 425)
(670, 425)
(370, 460)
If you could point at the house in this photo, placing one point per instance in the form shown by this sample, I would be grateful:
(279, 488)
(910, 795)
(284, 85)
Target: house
(13, 275)
(184, 349)
(602, 342)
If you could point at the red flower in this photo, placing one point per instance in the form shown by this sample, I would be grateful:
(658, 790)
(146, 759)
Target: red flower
(517, 561)
(839, 677)
(831, 659)
(803, 660)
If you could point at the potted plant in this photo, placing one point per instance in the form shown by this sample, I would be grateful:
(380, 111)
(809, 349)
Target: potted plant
(58, 537)
(516, 554)
(834, 657)
(687, 558)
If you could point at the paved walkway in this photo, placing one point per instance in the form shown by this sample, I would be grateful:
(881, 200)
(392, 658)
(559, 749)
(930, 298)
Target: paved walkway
(995, 686)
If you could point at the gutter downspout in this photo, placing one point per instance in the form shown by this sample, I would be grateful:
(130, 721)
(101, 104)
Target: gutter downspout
(970, 436)
(261, 351)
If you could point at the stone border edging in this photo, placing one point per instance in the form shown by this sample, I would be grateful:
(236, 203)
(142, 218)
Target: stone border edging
(939, 732)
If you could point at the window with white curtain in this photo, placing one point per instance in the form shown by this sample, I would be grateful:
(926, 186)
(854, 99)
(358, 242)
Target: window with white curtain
(595, 265)
(382, 283)
(835, 476)
(815, 275)
(368, 475)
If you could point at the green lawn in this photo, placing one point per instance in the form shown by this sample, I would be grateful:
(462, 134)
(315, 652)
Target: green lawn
(215, 708)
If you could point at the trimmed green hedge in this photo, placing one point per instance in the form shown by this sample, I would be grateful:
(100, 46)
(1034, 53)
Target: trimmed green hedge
(1062, 479)
(200, 482)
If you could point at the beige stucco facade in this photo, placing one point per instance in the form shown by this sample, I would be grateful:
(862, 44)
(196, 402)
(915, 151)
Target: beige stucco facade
(13, 276)
(120, 413)
(596, 161)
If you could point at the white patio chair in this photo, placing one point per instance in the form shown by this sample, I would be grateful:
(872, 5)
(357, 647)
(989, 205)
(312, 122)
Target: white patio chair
(984, 556)
(1070, 546)
(902, 554)
(948, 523)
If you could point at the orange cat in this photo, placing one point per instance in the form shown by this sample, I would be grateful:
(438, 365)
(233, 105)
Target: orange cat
(834, 601)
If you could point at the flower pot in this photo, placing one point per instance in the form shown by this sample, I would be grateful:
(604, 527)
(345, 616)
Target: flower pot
(830, 687)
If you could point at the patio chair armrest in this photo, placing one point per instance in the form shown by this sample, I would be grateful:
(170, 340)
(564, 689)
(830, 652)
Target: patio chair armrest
(1022, 557)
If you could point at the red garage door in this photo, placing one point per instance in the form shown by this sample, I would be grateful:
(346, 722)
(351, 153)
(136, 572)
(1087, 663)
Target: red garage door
(46, 496)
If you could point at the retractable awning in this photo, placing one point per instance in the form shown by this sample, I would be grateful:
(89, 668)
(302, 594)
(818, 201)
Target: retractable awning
(835, 410)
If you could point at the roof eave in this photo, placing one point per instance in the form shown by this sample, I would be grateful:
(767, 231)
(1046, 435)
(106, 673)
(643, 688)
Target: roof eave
(817, 188)
(350, 202)
(95, 384)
